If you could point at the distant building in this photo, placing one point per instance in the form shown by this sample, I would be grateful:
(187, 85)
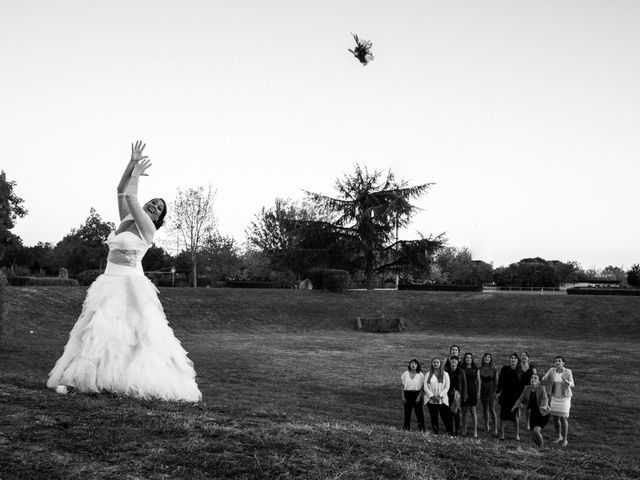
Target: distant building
(593, 282)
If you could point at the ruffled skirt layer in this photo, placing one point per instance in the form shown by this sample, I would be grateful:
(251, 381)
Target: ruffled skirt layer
(122, 343)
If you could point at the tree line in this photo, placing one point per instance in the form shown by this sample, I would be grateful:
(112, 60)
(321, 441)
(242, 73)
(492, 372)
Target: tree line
(353, 234)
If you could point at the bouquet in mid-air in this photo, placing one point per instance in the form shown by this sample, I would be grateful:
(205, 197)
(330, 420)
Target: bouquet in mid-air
(363, 50)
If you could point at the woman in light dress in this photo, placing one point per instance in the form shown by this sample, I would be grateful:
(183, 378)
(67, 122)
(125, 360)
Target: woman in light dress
(412, 392)
(122, 342)
(436, 388)
(559, 381)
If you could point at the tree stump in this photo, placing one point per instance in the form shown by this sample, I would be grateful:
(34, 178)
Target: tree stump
(380, 324)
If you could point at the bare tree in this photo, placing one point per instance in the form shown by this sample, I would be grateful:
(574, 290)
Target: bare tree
(193, 221)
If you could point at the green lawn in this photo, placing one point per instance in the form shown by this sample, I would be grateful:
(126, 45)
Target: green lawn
(291, 390)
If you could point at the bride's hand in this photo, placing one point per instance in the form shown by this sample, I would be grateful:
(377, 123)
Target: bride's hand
(141, 167)
(136, 151)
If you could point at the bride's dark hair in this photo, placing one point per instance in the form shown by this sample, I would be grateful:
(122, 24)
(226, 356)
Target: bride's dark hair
(160, 221)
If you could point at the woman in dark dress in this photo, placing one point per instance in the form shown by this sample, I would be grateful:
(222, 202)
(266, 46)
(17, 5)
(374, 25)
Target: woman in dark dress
(509, 389)
(536, 402)
(488, 375)
(469, 406)
(528, 369)
(458, 387)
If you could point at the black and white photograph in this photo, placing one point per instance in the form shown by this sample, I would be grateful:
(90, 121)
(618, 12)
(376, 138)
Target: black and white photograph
(319, 240)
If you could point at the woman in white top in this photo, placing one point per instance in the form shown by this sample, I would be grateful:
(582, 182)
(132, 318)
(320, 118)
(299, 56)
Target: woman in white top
(559, 381)
(122, 342)
(436, 387)
(412, 391)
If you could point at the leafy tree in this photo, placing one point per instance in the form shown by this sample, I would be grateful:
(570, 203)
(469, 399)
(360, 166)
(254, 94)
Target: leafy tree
(614, 272)
(633, 275)
(193, 219)
(10, 210)
(368, 211)
(156, 259)
(220, 256)
(35, 258)
(536, 272)
(295, 237)
(566, 272)
(84, 248)
(255, 266)
(482, 273)
(456, 265)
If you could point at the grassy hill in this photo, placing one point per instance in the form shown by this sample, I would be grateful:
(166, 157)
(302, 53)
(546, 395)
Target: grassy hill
(291, 390)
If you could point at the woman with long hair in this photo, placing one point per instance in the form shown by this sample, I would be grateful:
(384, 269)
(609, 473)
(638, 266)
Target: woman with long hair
(436, 388)
(457, 392)
(559, 381)
(122, 342)
(528, 369)
(412, 393)
(469, 406)
(509, 389)
(488, 377)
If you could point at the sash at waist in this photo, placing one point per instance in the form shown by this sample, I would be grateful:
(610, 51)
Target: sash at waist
(128, 258)
(124, 262)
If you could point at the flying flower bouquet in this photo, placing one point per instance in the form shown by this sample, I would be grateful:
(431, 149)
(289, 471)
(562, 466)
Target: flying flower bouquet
(363, 50)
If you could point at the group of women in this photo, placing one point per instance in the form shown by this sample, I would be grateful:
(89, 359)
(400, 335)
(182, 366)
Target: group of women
(452, 391)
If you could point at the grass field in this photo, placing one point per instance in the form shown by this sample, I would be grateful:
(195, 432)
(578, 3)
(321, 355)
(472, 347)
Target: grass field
(291, 390)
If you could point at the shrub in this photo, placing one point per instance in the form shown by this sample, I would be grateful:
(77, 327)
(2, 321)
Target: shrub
(43, 282)
(88, 277)
(316, 276)
(336, 280)
(329, 279)
(286, 279)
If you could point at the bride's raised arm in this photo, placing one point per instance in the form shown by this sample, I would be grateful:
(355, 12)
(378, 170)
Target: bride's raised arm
(136, 156)
(144, 223)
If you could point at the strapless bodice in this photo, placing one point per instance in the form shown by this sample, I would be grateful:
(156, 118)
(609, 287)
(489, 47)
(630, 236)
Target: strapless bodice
(126, 249)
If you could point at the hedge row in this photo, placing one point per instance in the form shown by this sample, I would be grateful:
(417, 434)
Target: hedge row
(42, 282)
(440, 287)
(87, 277)
(602, 291)
(249, 284)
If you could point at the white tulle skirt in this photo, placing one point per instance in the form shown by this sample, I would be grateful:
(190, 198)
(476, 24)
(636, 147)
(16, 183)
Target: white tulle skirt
(122, 343)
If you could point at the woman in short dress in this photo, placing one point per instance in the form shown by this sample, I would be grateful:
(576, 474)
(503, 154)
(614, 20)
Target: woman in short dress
(528, 369)
(469, 406)
(536, 402)
(509, 389)
(412, 392)
(458, 385)
(488, 375)
(559, 381)
(122, 342)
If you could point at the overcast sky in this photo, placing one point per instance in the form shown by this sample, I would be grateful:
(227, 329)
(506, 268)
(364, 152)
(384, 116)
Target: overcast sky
(525, 115)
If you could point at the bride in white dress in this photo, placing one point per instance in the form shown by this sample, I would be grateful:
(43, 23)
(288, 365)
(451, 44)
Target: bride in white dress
(122, 342)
